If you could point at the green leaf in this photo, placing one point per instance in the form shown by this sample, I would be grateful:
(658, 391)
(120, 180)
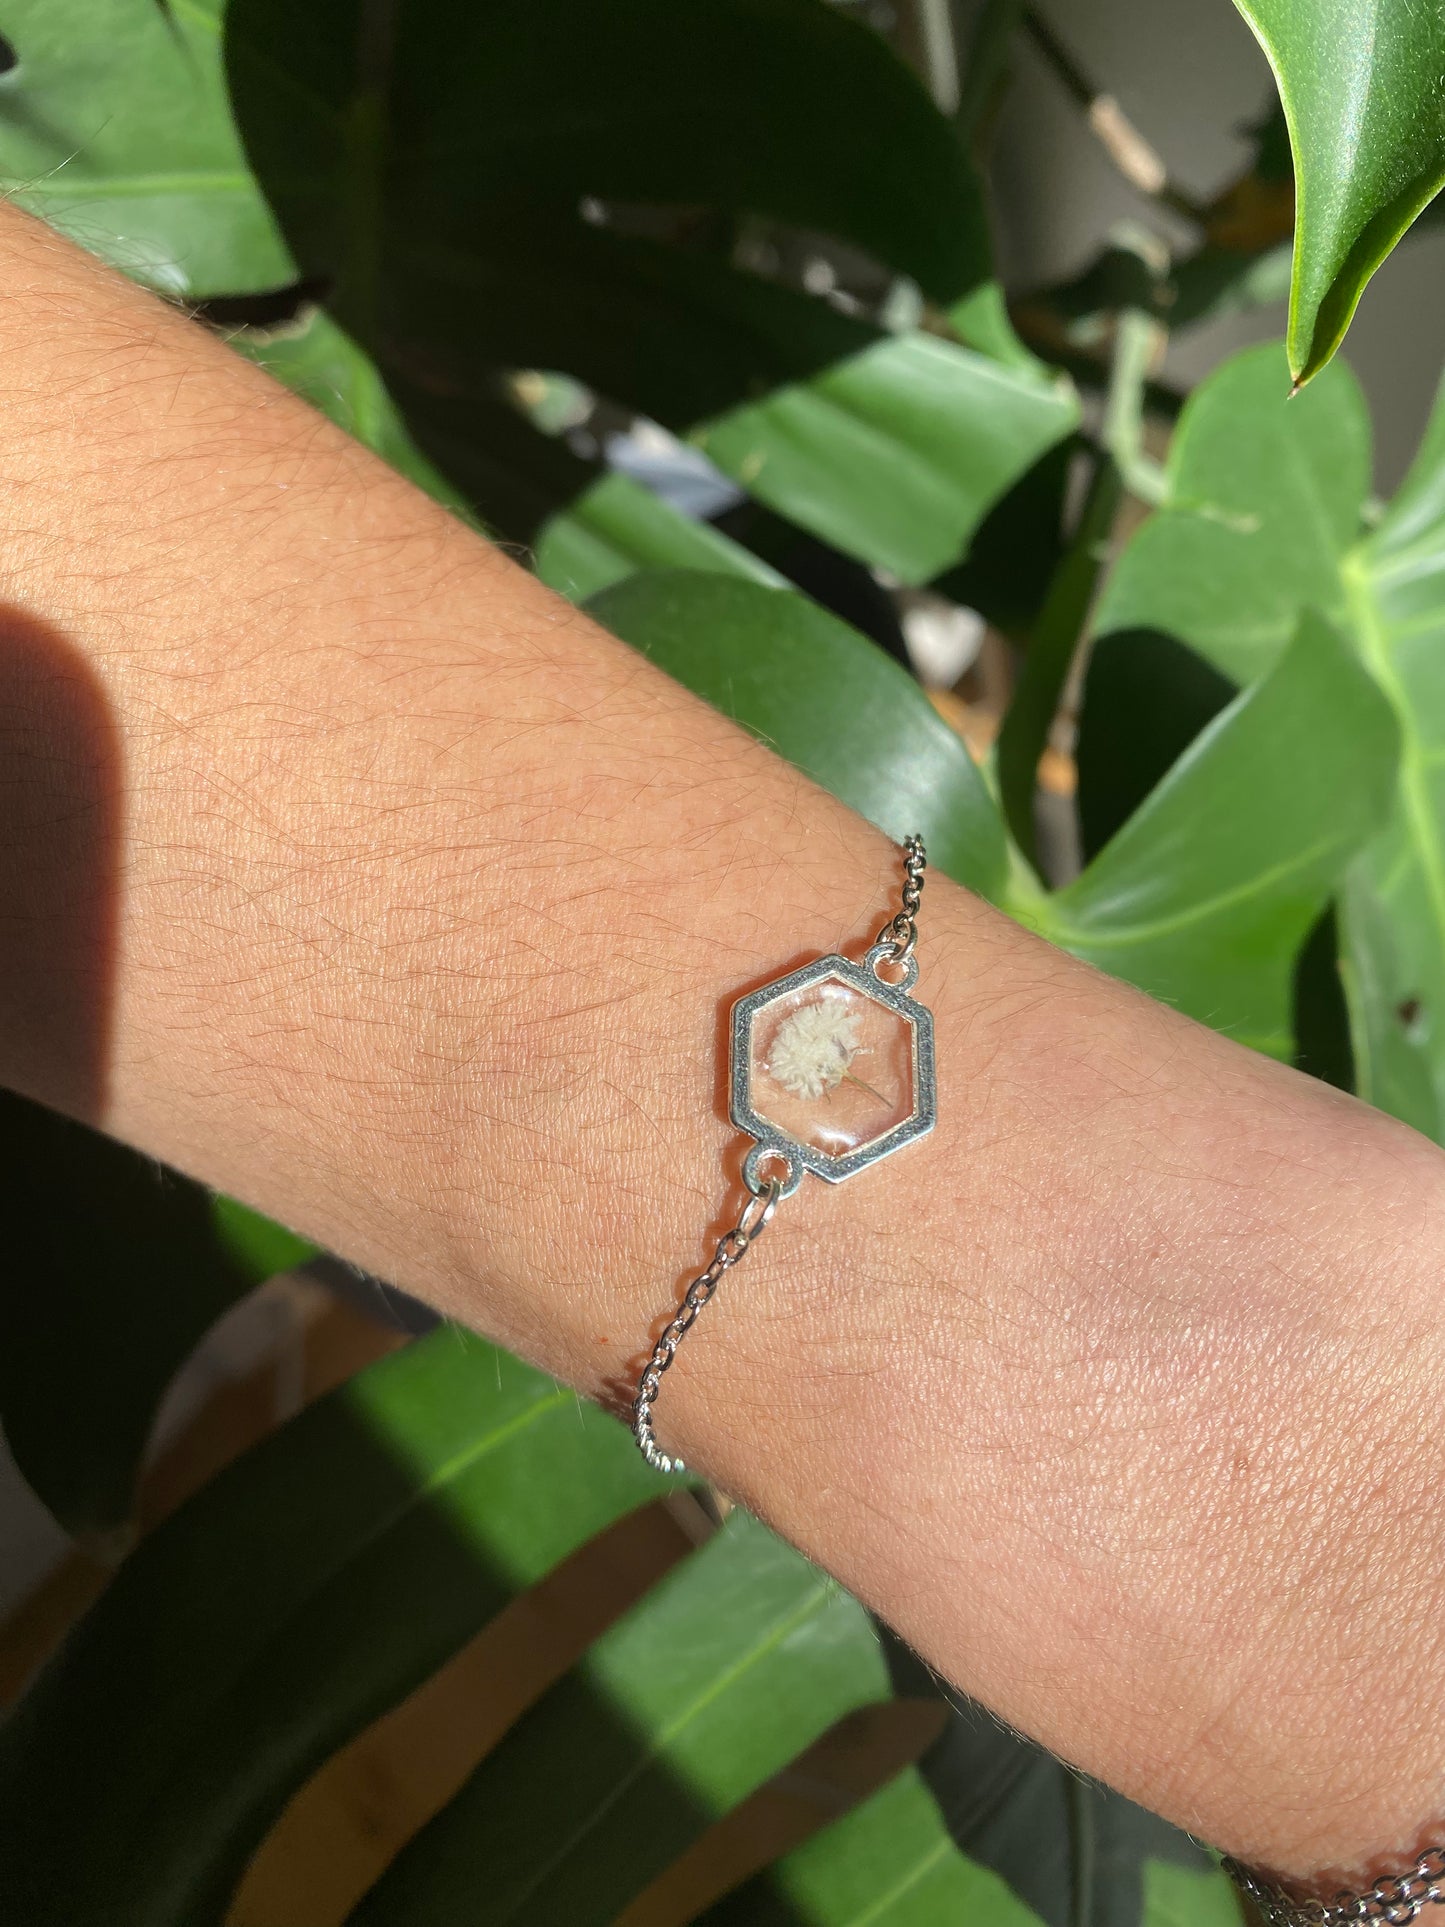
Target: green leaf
(1293, 483)
(115, 126)
(115, 1269)
(1288, 783)
(1386, 991)
(435, 180)
(441, 190)
(1393, 911)
(732, 1665)
(1323, 1045)
(1069, 1848)
(981, 320)
(1188, 1897)
(1058, 1843)
(824, 697)
(513, 476)
(1360, 86)
(439, 180)
(321, 362)
(1264, 499)
(775, 107)
(1146, 697)
(258, 1247)
(308, 1588)
(1017, 549)
(619, 527)
(889, 1863)
(897, 454)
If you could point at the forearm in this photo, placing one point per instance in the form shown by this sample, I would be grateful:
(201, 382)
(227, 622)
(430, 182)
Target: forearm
(349, 870)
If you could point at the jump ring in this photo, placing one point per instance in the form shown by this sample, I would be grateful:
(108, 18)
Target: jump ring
(884, 953)
(759, 1183)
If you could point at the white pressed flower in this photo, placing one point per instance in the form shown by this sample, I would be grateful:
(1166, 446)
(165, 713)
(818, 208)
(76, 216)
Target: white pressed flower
(814, 1048)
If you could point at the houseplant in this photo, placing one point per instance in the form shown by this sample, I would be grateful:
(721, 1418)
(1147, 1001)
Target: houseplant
(463, 231)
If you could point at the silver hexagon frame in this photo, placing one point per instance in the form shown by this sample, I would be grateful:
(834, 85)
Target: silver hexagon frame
(804, 1157)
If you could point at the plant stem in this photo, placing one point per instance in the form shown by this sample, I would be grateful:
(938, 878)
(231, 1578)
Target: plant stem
(1121, 464)
(849, 1078)
(1138, 339)
(1056, 635)
(1134, 156)
(984, 68)
(927, 31)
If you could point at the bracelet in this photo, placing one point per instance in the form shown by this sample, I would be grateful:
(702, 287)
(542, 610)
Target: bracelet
(1396, 1898)
(794, 1044)
(831, 1068)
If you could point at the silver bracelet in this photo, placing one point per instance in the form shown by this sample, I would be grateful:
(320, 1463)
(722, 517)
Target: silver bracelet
(831, 1068)
(794, 1044)
(1396, 1898)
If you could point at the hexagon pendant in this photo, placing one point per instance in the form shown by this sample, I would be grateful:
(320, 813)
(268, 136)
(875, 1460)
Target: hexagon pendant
(832, 1068)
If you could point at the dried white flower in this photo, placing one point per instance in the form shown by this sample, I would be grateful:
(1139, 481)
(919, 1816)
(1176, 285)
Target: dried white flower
(814, 1048)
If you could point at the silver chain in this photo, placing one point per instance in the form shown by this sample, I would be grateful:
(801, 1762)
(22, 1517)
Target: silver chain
(897, 937)
(1396, 1899)
(733, 1246)
(900, 933)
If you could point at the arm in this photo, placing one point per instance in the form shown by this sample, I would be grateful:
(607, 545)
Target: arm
(348, 869)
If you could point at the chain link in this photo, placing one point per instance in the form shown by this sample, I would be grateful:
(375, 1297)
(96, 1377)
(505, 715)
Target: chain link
(896, 939)
(1396, 1898)
(732, 1247)
(900, 933)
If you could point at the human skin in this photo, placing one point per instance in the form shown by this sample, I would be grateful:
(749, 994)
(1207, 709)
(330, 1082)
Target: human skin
(345, 867)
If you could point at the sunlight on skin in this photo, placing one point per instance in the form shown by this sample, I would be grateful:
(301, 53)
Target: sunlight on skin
(1114, 1394)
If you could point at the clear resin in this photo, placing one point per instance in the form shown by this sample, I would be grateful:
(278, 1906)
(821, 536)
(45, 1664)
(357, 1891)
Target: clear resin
(831, 1067)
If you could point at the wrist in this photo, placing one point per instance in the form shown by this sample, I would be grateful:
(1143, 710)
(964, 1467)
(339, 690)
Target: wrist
(1124, 1382)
